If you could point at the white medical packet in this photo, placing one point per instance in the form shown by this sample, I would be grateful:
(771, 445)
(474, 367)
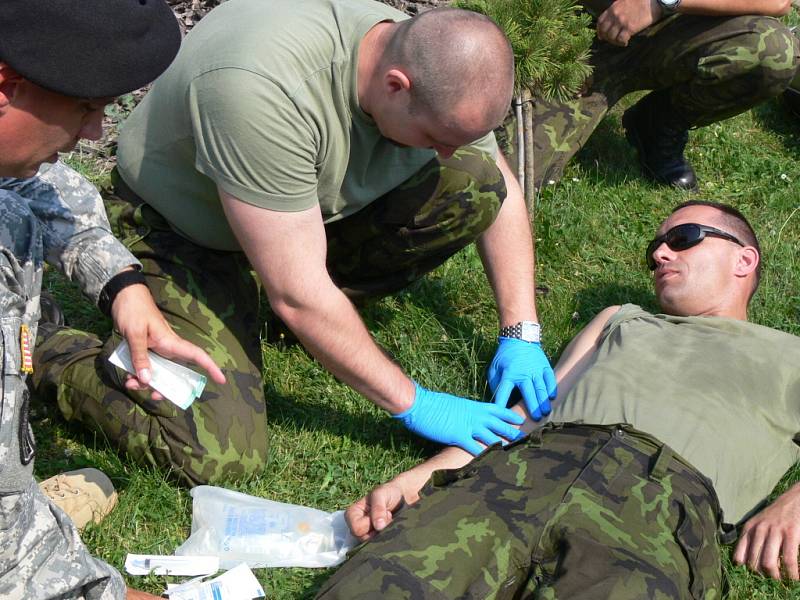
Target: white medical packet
(237, 584)
(178, 384)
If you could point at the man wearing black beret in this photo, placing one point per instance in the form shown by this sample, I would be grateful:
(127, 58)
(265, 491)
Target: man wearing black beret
(61, 62)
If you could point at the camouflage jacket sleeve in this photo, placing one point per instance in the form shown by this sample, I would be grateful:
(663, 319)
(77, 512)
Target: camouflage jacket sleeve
(77, 238)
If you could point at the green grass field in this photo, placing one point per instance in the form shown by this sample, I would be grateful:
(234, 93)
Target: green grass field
(329, 446)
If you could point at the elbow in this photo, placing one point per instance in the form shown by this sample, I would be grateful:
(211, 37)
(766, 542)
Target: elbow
(287, 310)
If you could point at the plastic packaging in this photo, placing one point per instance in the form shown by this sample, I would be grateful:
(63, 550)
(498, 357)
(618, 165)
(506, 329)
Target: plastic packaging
(263, 533)
(237, 584)
(178, 384)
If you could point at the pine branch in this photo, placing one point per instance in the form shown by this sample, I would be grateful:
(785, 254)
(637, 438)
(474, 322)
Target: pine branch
(551, 40)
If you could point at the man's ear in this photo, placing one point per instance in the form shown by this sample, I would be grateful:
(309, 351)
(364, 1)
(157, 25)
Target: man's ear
(396, 80)
(9, 80)
(747, 262)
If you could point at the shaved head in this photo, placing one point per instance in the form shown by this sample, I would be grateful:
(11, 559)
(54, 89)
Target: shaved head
(454, 57)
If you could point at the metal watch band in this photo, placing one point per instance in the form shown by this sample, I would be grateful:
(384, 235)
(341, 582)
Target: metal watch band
(115, 285)
(527, 331)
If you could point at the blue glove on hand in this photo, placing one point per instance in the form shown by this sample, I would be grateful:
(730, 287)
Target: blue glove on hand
(459, 422)
(523, 365)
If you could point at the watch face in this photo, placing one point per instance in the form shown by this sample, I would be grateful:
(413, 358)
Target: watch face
(669, 3)
(530, 331)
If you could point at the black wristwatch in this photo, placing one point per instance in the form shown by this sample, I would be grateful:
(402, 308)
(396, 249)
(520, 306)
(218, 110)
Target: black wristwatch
(115, 285)
(527, 331)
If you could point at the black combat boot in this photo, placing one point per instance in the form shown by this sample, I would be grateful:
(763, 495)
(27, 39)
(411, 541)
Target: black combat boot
(659, 134)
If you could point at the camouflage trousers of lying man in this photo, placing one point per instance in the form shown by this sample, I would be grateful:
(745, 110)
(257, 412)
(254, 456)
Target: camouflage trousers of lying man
(572, 511)
(212, 299)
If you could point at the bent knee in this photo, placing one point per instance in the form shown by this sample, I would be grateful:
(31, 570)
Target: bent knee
(226, 433)
(767, 54)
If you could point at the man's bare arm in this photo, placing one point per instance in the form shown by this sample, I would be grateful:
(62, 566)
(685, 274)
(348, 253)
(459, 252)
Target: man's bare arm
(374, 511)
(579, 351)
(625, 18)
(288, 250)
(506, 250)
(771, 539)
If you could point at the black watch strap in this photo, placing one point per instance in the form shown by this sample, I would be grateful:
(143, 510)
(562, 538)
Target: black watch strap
(115, 285)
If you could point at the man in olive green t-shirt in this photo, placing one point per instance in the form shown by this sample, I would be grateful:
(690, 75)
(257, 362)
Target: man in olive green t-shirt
(667, 428)
(341, 150)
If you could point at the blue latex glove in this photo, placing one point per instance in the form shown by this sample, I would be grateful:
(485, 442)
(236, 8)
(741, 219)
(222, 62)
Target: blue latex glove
(459, 422)
(525, 366)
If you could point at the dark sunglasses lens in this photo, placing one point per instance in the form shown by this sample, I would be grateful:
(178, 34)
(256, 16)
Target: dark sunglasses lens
(683, 236)
(680, 237)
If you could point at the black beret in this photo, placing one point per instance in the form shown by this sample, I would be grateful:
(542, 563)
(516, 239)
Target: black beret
(88, 48)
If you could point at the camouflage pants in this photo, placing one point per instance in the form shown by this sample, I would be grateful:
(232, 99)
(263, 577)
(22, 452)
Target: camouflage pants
(41, 554)
(572, 511)
(713, 67)
(211, 298)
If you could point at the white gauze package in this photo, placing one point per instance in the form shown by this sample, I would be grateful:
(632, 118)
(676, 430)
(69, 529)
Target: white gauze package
(263, 533)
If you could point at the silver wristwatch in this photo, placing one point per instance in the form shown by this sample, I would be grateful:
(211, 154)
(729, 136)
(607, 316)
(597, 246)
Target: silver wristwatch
(527, 331)
(669, 7)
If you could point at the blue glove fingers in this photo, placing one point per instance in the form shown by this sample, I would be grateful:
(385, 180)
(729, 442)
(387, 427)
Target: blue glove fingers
(541, 395)
(493, 375)
(550, 382)
(505, 430)
(506, 414)
(531, 397)
(484, 435)
(503, 392)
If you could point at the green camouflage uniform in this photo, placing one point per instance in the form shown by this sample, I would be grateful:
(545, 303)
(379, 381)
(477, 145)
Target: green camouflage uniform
(211, 298)
(714, 67)
(55, 217)
(572, 511)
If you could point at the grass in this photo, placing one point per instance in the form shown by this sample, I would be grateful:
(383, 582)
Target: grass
(329, 445)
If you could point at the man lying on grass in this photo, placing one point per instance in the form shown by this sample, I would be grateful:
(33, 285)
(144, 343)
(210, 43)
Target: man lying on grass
(667, 427)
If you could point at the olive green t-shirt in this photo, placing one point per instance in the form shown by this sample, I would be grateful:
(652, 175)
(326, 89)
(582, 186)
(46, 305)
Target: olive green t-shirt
(262, 101)
(723, 393)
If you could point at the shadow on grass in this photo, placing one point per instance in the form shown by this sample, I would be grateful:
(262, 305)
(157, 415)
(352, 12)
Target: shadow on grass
(607, 158)
(366, 428)
(777, 117)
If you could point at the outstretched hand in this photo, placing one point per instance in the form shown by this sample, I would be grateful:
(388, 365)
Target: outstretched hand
(625, 18)
(458, 421)
(375, 511)
(138, 319)
(771, 539)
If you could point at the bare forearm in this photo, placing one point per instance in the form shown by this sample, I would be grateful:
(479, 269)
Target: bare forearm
(452, 457)
(735, 7)
(506, 250)
(287, 250)
(412, 481)
(332, 331)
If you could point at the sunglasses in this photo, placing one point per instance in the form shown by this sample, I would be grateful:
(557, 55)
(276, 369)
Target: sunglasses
(684, 236)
